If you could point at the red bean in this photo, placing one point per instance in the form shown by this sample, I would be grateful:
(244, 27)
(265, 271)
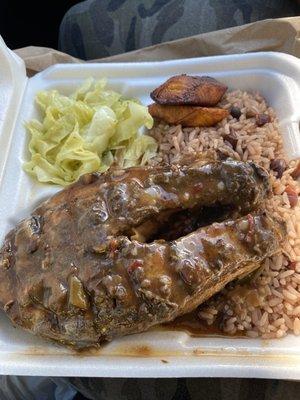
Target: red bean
(292, 196)
(278, 165)
(296, 173)
(250, 114)
(262, 119)
(235, 112)
(231, 138)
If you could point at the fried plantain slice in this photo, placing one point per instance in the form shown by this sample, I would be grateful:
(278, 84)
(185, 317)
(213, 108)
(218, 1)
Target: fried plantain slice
(189, 90)
(188, 115)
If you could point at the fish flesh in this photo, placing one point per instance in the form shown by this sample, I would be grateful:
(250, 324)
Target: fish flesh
(96, 261)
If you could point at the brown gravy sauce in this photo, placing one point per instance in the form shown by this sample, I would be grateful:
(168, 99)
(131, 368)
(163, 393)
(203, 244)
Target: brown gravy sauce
(193, 325)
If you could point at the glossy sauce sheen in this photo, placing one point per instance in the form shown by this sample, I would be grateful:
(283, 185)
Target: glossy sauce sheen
(92, 263)
(192, 324)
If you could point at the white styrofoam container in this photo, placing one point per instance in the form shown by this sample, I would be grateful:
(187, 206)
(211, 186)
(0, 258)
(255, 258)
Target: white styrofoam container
(157, 353)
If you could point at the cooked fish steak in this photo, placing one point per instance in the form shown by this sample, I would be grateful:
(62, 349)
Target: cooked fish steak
(90, 265)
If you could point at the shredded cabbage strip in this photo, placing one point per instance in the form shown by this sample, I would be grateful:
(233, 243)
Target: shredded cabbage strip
(87, 132)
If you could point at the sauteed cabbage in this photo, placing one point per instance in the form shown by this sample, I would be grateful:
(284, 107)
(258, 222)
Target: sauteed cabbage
(85, 132)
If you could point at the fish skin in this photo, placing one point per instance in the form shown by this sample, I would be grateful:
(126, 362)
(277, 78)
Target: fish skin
(72, 273)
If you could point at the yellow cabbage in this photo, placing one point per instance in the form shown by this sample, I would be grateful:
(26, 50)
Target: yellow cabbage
(86, 132)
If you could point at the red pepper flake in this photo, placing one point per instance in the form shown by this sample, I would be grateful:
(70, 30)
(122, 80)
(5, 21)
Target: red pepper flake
(292, 265)
(189, 274)
(197, 187)
(251, 227)
(113, 246)
(292, 195)
(296, 173)
(251, 223)
(136, 264)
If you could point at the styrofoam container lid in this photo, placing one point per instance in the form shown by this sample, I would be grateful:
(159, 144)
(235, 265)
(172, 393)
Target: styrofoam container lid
(157, 353)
